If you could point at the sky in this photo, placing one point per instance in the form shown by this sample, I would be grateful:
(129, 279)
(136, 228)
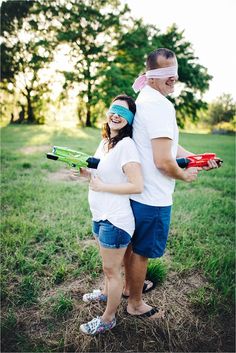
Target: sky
(209, 25)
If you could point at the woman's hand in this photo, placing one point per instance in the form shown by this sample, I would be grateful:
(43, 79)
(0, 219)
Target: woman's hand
(96, 184)
(83, 172)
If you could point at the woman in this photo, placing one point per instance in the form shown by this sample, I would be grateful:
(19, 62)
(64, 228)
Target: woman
(118, 175)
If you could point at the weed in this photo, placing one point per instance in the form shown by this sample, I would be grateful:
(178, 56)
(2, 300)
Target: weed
(62, 305)
(9, 322)
(28, 290)
(90, 261)
(157, 270)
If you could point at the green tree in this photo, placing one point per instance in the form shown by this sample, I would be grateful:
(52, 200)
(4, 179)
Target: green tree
(222, 109)
(12, 15)
(127, 61)
(25, 53)
(90, 28)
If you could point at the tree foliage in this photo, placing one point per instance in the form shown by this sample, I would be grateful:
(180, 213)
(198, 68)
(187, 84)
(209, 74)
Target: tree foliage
(25, 52)
(90, 28)
(223, 109)
(107, 51)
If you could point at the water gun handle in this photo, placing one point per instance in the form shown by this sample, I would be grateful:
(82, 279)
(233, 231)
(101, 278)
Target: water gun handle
(182, 162)
(92, 162)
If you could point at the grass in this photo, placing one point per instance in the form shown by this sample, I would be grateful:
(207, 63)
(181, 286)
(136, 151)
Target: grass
(45, 222)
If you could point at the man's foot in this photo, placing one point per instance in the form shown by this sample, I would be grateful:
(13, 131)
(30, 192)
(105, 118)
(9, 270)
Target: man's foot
(96, 326)
(147, 287)
(95, 296)
(144, 310)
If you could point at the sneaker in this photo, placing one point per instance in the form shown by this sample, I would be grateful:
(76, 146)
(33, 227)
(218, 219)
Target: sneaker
(96, 326)
(95, 296)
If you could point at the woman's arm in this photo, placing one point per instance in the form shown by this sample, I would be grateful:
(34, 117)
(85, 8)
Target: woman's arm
(134, 185)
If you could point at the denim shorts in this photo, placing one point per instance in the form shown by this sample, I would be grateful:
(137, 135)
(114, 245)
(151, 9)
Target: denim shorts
(110, 236)
(151, 229)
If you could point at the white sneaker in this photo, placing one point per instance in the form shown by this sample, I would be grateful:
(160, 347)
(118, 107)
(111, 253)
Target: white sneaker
(95, 296)
(96, 326)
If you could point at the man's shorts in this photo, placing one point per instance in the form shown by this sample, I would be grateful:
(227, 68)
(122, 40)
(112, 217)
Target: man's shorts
(151, 229)
(110, 236)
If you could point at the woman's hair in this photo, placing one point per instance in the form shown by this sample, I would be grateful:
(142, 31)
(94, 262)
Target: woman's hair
(127, 130)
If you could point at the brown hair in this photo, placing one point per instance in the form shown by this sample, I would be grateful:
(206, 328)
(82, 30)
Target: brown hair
(126, 131)
(151, 62)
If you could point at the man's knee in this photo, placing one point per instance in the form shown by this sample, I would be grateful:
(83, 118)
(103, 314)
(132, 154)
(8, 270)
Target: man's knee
(139, 258)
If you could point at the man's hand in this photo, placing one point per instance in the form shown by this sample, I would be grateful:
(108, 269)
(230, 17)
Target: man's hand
(212, 164)
(190, 174)
(96, 184)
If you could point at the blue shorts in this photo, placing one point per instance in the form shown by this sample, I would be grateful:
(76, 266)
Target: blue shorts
(151, 229)
(110, 236)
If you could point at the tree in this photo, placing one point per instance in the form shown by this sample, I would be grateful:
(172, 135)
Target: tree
(223, 109)
(12, 14)
(24, 53)
(90, 28)
(127, 61)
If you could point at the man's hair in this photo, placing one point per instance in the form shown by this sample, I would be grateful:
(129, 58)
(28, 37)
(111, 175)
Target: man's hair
(127, 130)
(151, 62)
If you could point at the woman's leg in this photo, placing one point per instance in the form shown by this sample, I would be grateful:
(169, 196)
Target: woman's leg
(112, 262)
(105, 289)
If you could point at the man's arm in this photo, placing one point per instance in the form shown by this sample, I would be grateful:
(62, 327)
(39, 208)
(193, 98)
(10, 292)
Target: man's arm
(183, 153)
(161, 148)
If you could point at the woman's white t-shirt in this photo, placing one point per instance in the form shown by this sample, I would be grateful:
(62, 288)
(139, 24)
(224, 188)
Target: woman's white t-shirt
(109, 206)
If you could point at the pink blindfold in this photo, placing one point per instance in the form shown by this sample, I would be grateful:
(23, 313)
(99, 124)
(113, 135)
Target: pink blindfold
(164, 72)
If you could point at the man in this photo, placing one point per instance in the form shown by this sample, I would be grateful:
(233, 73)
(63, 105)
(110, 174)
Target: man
(155, 133)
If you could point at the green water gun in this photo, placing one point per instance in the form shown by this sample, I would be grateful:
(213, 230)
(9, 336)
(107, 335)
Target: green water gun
(73, 158)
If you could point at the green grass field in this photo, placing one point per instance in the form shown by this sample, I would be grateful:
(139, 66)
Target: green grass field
(46, 220)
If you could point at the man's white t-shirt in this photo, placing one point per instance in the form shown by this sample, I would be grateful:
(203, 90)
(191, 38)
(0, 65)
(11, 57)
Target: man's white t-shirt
(109, 206)
(154, 118)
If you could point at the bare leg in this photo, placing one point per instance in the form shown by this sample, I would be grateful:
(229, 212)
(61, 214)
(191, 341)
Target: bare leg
(112, 263)
(105, 289)
(136, 273)
(127, 264)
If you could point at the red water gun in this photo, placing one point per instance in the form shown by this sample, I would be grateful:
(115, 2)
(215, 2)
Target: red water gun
(198, 160)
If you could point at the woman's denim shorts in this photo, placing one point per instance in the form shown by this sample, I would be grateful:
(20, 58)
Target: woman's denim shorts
(109, 236)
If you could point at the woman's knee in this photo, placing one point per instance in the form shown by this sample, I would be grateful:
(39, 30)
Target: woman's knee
(111, 271)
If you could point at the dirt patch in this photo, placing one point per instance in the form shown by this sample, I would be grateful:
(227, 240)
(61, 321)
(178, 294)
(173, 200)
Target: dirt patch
(185, 328)
(66, 175)
(35, 149)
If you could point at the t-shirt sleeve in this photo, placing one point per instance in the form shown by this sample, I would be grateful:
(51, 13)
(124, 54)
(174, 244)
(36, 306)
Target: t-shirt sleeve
(160, 120)
(128, 152)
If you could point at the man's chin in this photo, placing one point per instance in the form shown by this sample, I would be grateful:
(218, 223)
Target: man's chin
(171, 90)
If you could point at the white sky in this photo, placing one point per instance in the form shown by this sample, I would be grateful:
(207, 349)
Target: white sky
(209, 25)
